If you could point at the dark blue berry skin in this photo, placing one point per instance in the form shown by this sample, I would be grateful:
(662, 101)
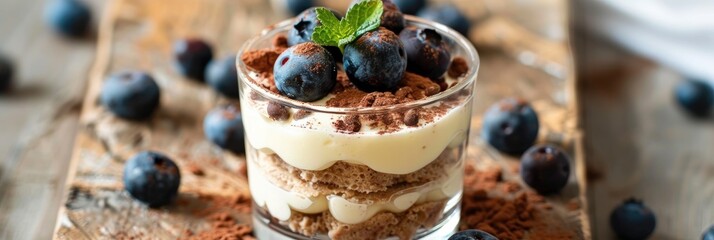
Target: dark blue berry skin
(305, 72)
(472, 234)
(131, 95)
(295, 7)
(696, 97)
(6, 73)
(545, 169)
(427, 54)
(305, 25)
(448, 15)
(392, 17)
(632, 220)
(510, 125)
(223, 77)
(376, 61)
(224, 127)
(410, 7)
(70, 18)
(192, 57)
(709, 234)
(152, 178)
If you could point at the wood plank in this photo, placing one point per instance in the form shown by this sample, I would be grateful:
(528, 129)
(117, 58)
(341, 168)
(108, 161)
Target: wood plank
(641, 144)
(138, 34)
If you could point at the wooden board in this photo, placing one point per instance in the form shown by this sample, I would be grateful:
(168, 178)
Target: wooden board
(136, 34)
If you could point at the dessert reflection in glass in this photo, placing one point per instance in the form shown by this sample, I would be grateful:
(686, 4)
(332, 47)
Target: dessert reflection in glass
(355, 163)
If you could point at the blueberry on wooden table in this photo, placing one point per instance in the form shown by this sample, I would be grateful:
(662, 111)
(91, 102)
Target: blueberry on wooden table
(448, 15)
(295, 7)
(192, 56)
(545, 168)
(472, 234)
(510, 125)
(376, 61)
(223, 76)
(709, 234)
(410, 7)
(132, 95)
(427, 53)
(303, 27)
(696, 97)
(305, 72)
(152, 178)
(632, 220)
(224, 127)
(71, 18)
(6, 73)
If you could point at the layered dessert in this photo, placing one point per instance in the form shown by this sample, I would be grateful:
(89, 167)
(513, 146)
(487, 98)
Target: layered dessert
(353, 140)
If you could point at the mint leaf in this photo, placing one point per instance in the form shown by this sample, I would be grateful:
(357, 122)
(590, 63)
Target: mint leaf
(362, 17)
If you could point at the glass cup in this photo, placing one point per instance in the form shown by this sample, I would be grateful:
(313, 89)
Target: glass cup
(312, 176)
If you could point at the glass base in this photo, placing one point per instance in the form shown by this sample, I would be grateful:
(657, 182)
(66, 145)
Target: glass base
(264, 228)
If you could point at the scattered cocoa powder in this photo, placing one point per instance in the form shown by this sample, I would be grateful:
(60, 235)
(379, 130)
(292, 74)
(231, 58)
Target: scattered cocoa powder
(348, 98)
(411, 117)
(280, 41)
(277, 112)
(195, 169)
(261, 60)
(223, 227)
(307, 48)
(458, 68)
(418, 82)
(300, 114)
(350, 124)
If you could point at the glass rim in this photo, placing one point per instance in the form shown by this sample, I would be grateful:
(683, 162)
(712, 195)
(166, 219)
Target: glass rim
(471, 57)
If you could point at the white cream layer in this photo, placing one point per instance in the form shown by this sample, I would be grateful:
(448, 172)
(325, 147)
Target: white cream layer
(280, 202)
(312, 143)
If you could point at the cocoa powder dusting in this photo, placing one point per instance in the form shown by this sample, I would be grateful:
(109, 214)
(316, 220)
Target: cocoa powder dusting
(417, 82)
(280, 41)
(350, 124)
(261, 60)
(277, 112)
(223, 226)
(458, 68)
(307, 48)
(300, 114)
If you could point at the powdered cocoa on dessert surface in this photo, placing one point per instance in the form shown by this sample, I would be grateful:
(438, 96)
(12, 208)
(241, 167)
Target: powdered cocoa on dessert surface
(280, 41)
(458, 68)
(261, 60)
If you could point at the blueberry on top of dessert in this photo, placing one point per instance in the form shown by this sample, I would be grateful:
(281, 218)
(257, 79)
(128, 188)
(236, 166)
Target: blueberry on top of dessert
(427, 54)
(70, 18)
(376, 61)
(223, 76)
(131, 95)
(6, 72)
(305, 72)
(633, 220)
(152, 178)
(545, 169)
(472, 234)
(305, 25)
(224, 127)
(448, 15)
(192, 57)
(510, 125)
(696, 97)
(410, 7)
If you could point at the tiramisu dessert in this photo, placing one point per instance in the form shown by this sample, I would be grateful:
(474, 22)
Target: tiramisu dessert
(354, 131)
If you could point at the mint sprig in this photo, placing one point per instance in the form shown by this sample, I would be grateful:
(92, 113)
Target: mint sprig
(362, 17)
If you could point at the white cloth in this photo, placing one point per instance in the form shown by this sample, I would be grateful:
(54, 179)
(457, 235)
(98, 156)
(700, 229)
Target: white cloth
(676, 33)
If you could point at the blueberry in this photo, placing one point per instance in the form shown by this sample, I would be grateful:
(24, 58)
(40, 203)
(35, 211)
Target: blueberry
(448, 15)
(152, 178)
(392, 18)
(510, 125)
(305, 25)
(6, 72)
(297, 6)
(130, 95)
(545, 169)
(224, 127)
(410, 7)
(472, 234)
(305, 72)
(709, 234)
(632, 220)
(376, 61)
(70, 18)
(223, 77)
(427, 54)
(696, 97)
(192, 57)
